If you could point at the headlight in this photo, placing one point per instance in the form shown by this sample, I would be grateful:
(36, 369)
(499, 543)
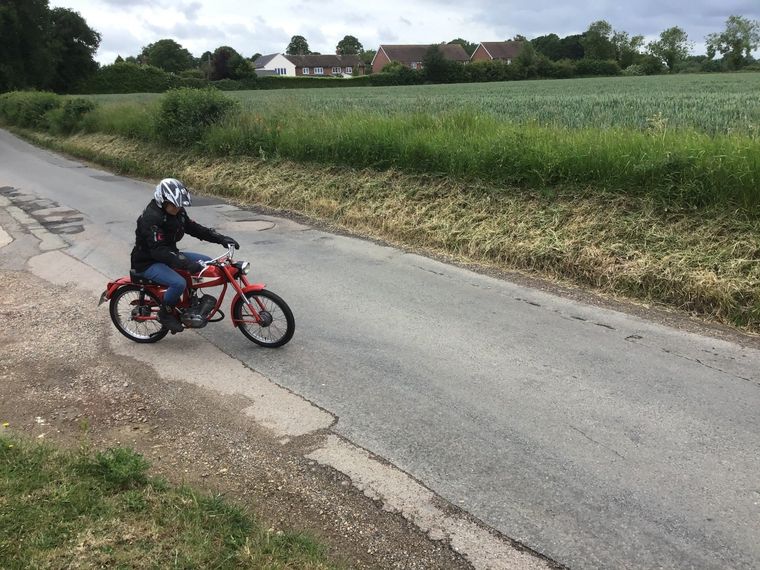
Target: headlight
(245, 267)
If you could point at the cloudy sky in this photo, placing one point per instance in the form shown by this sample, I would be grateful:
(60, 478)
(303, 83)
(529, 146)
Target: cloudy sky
(266, 27)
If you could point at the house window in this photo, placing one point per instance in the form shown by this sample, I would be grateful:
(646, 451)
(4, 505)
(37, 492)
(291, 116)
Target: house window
(349, 70)
(280, 71)
(336, 70)
(319, 71)
(306, 71)
(414, 65)
(509, 62)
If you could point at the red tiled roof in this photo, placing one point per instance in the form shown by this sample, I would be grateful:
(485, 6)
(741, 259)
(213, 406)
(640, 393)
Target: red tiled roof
(413, 53)
(328, 60)
(503, 50)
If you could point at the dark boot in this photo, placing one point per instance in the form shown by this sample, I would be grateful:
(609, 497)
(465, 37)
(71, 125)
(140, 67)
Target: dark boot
(168, 318)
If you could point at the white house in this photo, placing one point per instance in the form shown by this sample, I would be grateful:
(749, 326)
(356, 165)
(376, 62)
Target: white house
(274, 64)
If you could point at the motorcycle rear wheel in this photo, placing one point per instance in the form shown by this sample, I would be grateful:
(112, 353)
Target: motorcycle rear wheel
(130, 301)
(277, 323)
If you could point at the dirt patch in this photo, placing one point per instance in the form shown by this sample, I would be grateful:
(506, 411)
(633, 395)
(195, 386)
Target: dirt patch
(63, 384)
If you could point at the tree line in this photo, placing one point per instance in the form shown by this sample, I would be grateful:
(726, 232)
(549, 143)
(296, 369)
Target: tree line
(53, 49)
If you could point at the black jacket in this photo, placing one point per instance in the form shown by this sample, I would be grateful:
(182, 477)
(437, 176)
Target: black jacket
(157, 235)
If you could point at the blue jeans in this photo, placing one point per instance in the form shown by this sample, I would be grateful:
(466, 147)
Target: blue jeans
(175, 283)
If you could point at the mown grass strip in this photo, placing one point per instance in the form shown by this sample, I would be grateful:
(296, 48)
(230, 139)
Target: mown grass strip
(704, 261)
(62, 509)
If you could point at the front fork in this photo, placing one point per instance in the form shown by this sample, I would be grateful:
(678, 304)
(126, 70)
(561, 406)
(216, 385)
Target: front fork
(255, 311)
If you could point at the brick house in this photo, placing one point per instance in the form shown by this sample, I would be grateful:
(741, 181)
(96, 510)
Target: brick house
(505, 51)
(412, 56)
(327, 65)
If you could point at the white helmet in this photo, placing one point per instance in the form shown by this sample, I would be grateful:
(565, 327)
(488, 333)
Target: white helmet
(173, 191)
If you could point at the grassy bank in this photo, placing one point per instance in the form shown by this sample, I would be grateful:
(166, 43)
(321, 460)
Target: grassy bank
(61, 509)
(703, 261)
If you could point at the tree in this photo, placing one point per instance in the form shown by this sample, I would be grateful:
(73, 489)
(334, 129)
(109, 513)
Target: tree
(596, 41)
(42, 48)
(204, 64)
(549, 46)
(298, 46)
(226, 63)
(119, 59)
(168, 55)
(468, 46)
(73, 45)
(527, 60)
(672, 47)
(25, 56)
(571, 47)
(437, 69)
(626, 48)
(255, 56)
(367, 56)
(349, 45)
(736, 42)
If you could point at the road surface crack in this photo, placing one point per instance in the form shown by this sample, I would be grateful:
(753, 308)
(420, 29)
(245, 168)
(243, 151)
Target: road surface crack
(607, 447)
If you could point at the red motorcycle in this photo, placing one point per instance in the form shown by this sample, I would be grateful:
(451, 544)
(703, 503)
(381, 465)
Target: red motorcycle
(259, 314)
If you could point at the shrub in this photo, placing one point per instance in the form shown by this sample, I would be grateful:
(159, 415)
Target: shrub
(591, 67)
(69, 117)
(130, 78)
(634, 70)
(184, 114)
(28, 108)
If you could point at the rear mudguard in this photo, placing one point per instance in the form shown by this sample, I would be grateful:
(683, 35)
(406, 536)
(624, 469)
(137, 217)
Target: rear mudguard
(113, 286)
(246, 289)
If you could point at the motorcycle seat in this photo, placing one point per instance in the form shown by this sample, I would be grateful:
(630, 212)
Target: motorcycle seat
(140, 279)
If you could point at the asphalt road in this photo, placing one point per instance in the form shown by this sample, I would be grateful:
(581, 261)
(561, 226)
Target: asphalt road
(596, 438)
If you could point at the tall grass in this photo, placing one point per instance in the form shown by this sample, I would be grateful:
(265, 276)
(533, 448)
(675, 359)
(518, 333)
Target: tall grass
(681, 166)
(689, 140)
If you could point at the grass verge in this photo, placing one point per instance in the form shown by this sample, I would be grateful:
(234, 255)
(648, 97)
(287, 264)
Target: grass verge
(101, 510)
(700, 260)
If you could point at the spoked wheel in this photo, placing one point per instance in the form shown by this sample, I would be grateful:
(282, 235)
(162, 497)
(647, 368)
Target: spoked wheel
(129, 308)
(275, 325)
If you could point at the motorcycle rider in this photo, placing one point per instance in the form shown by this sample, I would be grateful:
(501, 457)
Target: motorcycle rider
(162, 224)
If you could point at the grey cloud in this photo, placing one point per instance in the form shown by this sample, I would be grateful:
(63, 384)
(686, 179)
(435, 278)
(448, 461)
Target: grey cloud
(191, 10)
(134, 3)
(648, 17)
(387, 35)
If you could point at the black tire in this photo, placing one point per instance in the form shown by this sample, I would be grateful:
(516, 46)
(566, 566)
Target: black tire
(272, 335)
(127, 299)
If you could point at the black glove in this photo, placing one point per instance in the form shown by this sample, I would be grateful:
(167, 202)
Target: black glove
(227, 241)
(192, 266)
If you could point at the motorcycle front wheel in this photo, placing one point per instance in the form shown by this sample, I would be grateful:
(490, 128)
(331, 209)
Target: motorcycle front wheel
(128, 305)
(275, 326)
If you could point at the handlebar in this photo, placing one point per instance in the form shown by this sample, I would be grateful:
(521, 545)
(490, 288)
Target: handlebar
(229, 255)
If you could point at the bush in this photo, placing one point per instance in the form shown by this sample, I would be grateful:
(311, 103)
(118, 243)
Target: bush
(597, 67)
(130, 78)
(184, 114)
(634, 70)
(28, 108)
(69, 117)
